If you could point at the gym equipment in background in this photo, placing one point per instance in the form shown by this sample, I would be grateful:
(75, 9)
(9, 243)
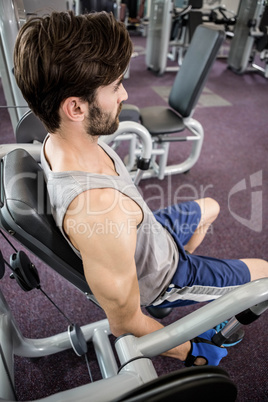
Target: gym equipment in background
(171, 30)
(164, 123)
(250, 39)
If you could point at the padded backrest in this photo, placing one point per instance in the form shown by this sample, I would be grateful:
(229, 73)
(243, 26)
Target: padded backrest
(30, 129)
(196, 65)
(97, 5)
(26, 213)
(195, 19)
(196, 4)
(264, 21)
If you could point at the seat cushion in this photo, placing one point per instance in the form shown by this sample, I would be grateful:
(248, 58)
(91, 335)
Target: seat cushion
(129, 113)
(161, 120)
(30, 129)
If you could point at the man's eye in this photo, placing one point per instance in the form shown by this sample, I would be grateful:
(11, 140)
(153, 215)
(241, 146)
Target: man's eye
(116, 88)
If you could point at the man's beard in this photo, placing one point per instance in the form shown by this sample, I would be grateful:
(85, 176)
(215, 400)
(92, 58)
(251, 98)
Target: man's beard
(101, 123)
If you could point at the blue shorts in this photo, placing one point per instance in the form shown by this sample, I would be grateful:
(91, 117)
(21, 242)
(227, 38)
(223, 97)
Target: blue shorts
(197, 279)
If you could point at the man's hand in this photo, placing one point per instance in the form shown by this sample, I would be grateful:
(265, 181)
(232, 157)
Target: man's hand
(204, 351)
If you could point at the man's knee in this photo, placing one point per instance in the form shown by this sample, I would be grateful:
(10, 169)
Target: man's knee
(214, 207)
(258, 268)
(210, 209)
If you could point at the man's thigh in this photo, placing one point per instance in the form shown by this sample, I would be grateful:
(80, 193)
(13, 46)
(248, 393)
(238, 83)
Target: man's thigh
(202, 279)
(181, 220)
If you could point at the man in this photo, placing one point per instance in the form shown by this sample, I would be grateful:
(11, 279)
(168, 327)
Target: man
(70, 70)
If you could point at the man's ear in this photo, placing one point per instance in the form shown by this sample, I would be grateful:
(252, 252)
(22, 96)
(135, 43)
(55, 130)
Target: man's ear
(74, 108)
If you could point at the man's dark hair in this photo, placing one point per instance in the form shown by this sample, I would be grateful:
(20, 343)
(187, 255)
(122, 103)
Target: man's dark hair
(64, 55)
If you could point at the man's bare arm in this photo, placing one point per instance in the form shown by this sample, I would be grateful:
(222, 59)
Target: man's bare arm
(106, 238)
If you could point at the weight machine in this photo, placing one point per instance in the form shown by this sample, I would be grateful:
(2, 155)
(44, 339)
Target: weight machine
(250, 39)
(25, 214)
(171, 30)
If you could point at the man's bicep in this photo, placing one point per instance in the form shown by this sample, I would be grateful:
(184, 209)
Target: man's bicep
(109, 265)
(98, 216)
(111, 275)
(107, 245)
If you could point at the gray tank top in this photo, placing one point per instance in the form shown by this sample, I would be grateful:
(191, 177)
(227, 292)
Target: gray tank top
(156, 254)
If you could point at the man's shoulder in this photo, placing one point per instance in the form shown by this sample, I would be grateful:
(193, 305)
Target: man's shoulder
(104, 208)
(97, 201)
(97, 219)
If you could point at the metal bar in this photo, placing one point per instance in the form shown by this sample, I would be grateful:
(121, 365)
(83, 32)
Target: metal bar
(204, 318)
(46, 346)
(33, 149)
(104, 353)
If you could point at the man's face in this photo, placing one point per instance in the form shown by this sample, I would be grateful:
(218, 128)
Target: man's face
(103, 113)
(100, 122)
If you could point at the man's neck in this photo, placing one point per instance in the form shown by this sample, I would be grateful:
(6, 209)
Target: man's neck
(78, 150)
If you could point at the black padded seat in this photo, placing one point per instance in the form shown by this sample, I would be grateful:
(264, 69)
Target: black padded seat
(129, 113)
(163, 122)
(195, 384)
(188, 84)
(159, 120)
